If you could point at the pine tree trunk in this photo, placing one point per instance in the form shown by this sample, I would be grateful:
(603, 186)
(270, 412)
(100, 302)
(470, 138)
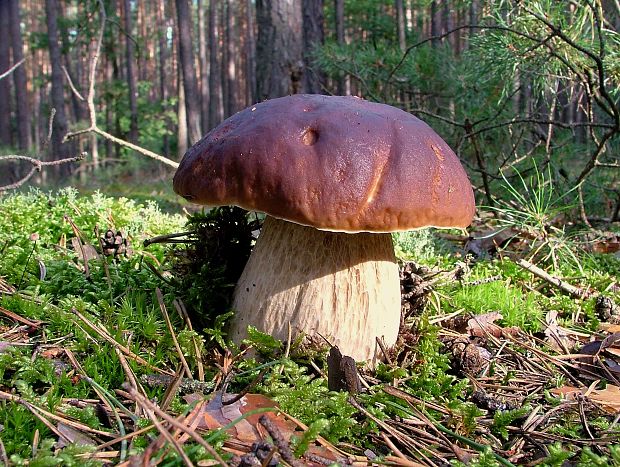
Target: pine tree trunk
(131, 76)
(24, 138)
(231, 54)
(190, 85)
(181, 117)
(279, 58)
(341, 83)
(216, 112)
(313, 37)
(250, 54)
(400, 24)
(204, 66)
(59, 128)
(5, 64)
(163, 58)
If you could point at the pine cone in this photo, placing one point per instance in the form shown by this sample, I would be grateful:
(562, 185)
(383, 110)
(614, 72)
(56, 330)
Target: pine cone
(114, 244)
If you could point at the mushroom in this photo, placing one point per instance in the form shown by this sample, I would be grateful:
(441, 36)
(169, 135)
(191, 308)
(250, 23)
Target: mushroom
(335, 175)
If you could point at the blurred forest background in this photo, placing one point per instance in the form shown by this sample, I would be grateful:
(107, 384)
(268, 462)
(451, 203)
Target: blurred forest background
(515, 87)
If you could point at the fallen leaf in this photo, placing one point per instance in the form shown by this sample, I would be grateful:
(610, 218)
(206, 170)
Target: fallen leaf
(482, 325)
(608, 399)
(557, 337)
(72, 436)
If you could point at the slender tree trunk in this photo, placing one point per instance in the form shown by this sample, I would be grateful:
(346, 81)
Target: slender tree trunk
(279, 57)
(5, 64)
(473, 17)
(231, 54)
(22, 106)
(224, 54)
(250, 54)
(341, 83)
(59, 128)
(434, 23)
(313, 37)
(216, 111)
(181, 117)
(163, 57)
(400, 24)
(131, 75)
(76, 104)
(204, 66)
(186, 59)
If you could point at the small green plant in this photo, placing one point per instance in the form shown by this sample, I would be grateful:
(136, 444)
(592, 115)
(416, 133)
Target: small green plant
(503, 418)
(532, 207)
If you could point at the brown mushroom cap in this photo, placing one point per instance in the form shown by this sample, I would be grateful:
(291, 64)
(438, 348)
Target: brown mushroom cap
(330, 162)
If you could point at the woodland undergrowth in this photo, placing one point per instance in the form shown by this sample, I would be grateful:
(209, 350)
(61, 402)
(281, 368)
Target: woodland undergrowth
(113, 346)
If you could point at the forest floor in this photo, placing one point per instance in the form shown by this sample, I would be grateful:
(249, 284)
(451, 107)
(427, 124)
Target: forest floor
(510, 351)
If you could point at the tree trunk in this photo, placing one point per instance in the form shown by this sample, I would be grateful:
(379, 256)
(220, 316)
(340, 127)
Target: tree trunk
(216, 111)
(204, 66)
(313, 37)
(231, 68)
(79, 111)
(5, 64)
(181, 117)
(279, 70)
(434, 23)
(250, 54)
(190, 85)
(131, 76)
(59, 128)
(341, 83)
(400, 24)
(163, 57)
(22, 106)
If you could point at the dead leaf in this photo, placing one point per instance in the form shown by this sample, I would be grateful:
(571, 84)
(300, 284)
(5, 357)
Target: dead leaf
(557, 337)
(482, 325)
(72, 436)
(215, 413)
(608, 399)
(613, 328)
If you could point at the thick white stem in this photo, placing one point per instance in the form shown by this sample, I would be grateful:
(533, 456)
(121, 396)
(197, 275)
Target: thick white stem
(342, 286)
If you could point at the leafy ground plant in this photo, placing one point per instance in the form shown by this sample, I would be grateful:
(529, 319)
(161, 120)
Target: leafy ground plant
(103, 361)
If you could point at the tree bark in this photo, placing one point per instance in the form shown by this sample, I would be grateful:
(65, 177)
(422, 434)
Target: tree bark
(190, 85)
(204, 66)
(163, 58)
(216, 111)
(231, 66)
(24, 137)
(181, 117)
(250, 53)
(434, 23)
(59, 127)
(313, 37)
(400, 24)
(131, 76)
(5, 64)
(341, 82)
(279, 57)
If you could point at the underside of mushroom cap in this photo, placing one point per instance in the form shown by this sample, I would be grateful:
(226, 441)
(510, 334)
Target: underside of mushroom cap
(330, 162)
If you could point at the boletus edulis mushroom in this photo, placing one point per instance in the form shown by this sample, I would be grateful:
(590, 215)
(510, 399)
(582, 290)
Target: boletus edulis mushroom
(335, 175)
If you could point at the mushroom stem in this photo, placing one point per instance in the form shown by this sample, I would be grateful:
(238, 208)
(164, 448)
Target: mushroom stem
(342, 286)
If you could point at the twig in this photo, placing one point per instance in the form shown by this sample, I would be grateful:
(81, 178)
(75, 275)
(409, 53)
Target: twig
(12, 69)
(90, 103)
(162, 307)
(150, 406)
(279, 442)
(36, 167)
(109, 339)
(559, 283)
